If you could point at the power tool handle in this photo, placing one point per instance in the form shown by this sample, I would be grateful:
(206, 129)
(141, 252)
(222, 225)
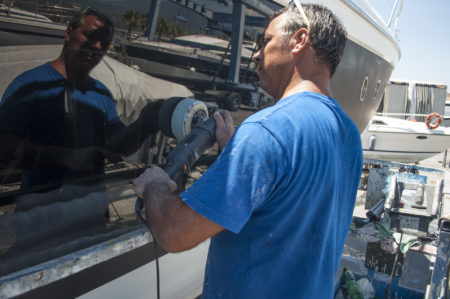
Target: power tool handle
(189, 150)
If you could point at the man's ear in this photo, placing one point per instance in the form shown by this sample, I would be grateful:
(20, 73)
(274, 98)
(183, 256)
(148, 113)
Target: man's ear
(68, 34)
(301, 39)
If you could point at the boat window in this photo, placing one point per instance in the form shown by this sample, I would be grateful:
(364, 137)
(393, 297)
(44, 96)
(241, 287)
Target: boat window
(377, 88)
(379, 122)
(70, 148)
(364, 89)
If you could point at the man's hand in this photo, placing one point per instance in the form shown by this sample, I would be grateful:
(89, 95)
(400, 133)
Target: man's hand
(174, 225)
(225, 127)
(153, 181)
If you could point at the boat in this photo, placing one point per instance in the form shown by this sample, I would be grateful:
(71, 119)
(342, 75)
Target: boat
(369, 40)
(400, 140)
(10, 11)
(120, 258)
(33, 28)
(197, 61)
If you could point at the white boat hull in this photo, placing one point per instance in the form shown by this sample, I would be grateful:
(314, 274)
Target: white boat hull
(403, 141)
(189, 267)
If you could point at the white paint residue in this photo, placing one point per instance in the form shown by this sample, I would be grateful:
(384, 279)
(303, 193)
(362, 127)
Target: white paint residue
(236, 147)
(259, 195)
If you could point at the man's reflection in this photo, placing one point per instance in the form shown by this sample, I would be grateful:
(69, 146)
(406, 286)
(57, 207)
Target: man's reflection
(57, 122)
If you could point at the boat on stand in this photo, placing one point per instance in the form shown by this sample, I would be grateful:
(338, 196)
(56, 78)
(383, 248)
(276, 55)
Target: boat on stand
(410, 123)
(117, 257)
(406, 141)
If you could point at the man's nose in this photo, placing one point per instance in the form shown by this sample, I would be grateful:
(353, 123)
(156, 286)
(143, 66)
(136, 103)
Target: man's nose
(257, 56)
(97, 45)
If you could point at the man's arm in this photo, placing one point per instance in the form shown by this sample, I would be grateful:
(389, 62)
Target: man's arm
(175, 226)
(173, 223)
(125, 140)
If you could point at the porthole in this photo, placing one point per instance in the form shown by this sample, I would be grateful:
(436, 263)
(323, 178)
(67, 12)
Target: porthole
(384, 90)
(377, 88)
(364, 89)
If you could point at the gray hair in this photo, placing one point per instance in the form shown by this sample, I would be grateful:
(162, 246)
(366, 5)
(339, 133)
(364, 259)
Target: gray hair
(327, 35)
(77, 19)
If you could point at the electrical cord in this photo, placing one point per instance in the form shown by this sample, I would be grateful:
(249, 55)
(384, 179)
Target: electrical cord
(387, 291)
(447, 282)
(138, 210)
(119, 218)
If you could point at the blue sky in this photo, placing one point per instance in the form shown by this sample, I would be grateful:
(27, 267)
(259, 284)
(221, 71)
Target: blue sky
(424, 39)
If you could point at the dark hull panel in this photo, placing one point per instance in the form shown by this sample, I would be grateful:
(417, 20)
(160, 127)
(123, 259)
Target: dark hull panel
(13, 33)
(357, 64)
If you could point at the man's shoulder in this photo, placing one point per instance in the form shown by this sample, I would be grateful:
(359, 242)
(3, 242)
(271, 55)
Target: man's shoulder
(282, 110)
(41, 73)
(99, 87)
(35, 73)
(28, 81)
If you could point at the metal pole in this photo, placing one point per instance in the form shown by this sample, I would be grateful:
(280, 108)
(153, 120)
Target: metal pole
(153, 13)
(237, 35)
(439, 284)
(391, 17)
(444, 161)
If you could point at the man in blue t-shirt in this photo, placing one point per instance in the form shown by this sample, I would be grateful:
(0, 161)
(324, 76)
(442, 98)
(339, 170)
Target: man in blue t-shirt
(58, 123)
(278, 201)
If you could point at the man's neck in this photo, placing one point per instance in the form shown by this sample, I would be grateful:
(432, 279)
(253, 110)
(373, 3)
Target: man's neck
(318, 83)
(60, 66)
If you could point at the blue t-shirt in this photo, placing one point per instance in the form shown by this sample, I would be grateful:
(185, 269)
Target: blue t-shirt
(284, 189)
(42, 107)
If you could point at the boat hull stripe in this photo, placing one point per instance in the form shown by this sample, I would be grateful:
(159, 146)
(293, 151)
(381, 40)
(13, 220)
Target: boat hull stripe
(91, 278)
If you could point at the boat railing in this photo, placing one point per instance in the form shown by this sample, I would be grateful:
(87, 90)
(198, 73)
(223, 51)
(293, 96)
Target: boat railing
(407, 116)
(395, 14)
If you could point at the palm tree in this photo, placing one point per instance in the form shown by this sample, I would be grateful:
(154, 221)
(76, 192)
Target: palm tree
(143, 22)
(175, 31)
(162, 27)
(131, 19)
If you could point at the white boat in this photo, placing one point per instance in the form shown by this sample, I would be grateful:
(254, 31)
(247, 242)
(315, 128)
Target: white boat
(400, 140)
(21, 27)
(10, 11)
(120, 262)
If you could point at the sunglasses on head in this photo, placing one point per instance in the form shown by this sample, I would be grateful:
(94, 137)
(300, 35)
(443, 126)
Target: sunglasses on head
(302, 12)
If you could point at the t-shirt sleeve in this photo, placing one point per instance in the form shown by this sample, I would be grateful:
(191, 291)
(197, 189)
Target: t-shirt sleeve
(113, 116)
(110, 106)
(240, 180)
(16, 109)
